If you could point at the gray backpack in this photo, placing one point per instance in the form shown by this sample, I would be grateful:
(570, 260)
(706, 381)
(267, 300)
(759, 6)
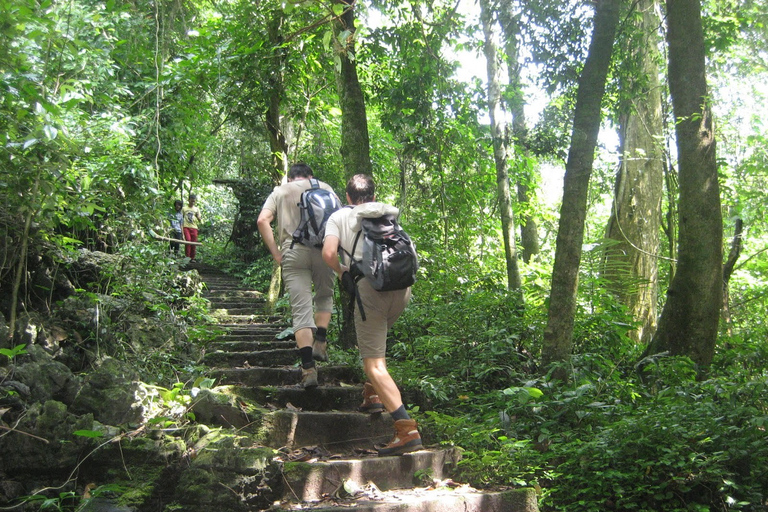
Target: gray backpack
(316, 204)
(389, 257)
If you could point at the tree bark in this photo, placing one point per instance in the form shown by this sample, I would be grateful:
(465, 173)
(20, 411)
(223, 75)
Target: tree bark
(631, 264)
(570, 235)
(523, 174)
(689, 321)
(500, 135)
(355, 143)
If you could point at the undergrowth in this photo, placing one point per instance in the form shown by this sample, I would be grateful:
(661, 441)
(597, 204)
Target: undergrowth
(660, 435)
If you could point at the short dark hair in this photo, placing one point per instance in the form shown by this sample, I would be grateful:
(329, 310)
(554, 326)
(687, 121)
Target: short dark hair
(178, 201)
(299, 170)
(193, 196)
(361, 189)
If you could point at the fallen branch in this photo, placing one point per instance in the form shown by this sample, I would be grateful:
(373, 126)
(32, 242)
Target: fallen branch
(166, 239)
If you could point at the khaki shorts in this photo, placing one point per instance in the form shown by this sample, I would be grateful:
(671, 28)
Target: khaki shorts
(302, 267)
(381, 311)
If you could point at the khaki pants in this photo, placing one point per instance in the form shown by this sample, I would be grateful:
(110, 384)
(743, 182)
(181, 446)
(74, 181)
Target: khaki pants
(382, 309)
(304, 267)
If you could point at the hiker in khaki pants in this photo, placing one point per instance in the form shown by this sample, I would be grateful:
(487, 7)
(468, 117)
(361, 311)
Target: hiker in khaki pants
(302, 268)
(381, 311)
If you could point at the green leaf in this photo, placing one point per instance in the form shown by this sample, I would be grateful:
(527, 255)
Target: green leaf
(88, 433)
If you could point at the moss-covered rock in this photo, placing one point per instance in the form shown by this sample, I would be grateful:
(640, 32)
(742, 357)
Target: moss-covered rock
(109, 393)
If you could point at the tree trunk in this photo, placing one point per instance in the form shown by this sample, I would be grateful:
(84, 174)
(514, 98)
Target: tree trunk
(355, 144)
(689, 321)
(729, 267)
(500, 135)
(578, 168)
(631, 264)
(529, 233)
(277, 142)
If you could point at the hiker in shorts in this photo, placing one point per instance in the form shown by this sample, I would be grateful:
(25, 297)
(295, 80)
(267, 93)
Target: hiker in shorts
(381, 309)
(302, 267)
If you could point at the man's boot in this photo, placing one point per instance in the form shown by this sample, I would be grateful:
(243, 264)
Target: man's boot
(320, 350)
(371, 401)
(407, 439)
(309, 377)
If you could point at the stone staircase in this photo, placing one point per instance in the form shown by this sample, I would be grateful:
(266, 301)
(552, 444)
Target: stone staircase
(324, 446)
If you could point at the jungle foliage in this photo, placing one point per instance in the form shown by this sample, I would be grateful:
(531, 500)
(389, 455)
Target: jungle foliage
(111, 110)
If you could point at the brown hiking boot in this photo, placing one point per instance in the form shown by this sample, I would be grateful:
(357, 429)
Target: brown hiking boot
(309, 377)
(320, 350)
(371, 401)
(407, 439)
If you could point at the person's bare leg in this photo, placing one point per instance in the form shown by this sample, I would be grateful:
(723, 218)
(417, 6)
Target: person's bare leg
(323, 319)
(376, 370)
(304, 337)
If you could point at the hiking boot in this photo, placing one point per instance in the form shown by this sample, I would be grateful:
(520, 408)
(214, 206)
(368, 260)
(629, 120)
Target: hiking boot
(309, 377)
(407, 439)
(320, 350)
(371, 401)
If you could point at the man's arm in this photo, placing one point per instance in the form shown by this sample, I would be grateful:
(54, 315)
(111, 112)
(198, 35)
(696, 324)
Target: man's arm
(264, 223)
(331, 253)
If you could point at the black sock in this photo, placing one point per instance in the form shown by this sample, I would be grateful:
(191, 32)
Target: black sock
(321, 334)
(400, 414)
(306, 357)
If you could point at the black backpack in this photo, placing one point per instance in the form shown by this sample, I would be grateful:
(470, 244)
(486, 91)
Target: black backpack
(316, 205)
(389, 257)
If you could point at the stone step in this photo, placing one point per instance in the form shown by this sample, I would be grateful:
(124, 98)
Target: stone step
(279, 357)
(265, 337)
(251, 345)
(441, 499)
(311, 480)
(335, 432)
(215, 293)
(285, 376)
(322, 398)
(237, 303)
(237, 311)
(254, 328)
(249, 319)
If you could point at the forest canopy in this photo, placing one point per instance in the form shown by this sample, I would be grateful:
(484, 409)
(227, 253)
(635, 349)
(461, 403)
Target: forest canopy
(585, 183)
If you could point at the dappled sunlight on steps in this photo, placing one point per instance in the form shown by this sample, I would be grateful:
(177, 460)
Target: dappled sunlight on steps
(324, 445)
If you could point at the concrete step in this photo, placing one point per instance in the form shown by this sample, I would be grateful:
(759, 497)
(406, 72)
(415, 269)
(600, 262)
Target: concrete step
(322, 398)
(336, 432)
(249, 319)
(282, 376)
(461, 499)
(215, 293)
(237, 311)
(254, 328)
(237, 303)
(278, 357)
(310, 481)
(250, 345)
(262, 337)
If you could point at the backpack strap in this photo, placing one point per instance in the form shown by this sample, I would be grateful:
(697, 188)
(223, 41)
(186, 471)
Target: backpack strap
(357, 277)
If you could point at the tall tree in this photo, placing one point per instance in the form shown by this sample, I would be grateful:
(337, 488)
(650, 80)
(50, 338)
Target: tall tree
(515, 101)
(689, 320)
(570, 235)
(631, 263)
(355, 143)
(501, 143)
